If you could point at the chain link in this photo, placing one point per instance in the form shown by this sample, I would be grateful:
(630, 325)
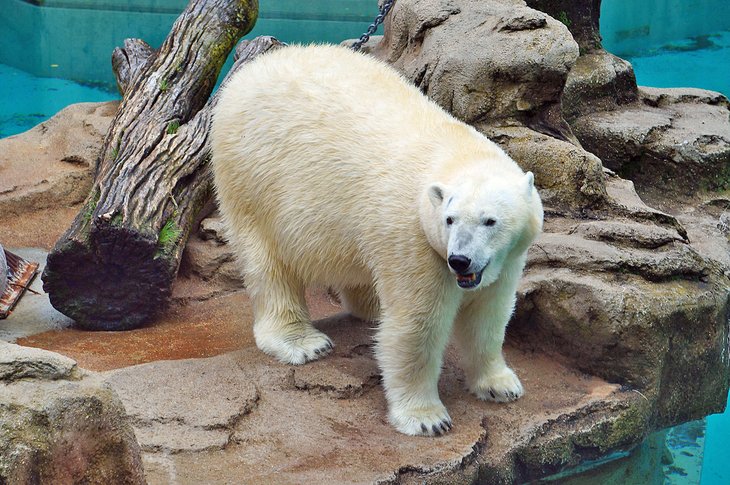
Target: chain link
(374, 26)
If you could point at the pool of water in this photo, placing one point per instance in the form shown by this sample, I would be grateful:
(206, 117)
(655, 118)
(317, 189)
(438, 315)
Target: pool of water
(26, 100)
(671, 43)
(72, 40)
(702, 62)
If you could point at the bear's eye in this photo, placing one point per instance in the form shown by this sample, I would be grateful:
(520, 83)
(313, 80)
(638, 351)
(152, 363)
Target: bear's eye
(490, 222)
(449, 221)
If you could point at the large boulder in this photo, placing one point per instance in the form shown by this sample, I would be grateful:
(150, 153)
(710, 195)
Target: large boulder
(669, 139)
(599, 81)
(46, 172)
(663, 139)
(480, 59)
(52, 163)
(59, 424)
(570, 178)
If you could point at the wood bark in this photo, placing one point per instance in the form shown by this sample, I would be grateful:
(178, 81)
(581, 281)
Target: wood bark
(114, 267)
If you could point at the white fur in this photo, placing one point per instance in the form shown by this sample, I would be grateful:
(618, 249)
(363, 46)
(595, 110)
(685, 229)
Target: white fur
(325, 162)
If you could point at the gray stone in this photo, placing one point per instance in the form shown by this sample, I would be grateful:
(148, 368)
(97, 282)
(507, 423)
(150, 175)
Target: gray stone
(212, 261)
(52, 164)
(206, 257)
(63, 431)
(599, 81)
(17, 362)
(211, 228)
(185, 405)
(668, 140)
(628, 233)
(480, 59)
(570, 178)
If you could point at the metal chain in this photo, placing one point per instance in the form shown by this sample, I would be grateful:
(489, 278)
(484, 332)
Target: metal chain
(374, 26)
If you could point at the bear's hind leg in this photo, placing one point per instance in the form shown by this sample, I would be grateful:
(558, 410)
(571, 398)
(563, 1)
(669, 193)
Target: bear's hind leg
(361, 302)
(479, 332)
(282, 327)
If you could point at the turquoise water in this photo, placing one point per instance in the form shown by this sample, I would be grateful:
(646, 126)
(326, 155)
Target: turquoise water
(73, 40)
(26, 100)
(671, 43)
(702, 62)
(716, 464)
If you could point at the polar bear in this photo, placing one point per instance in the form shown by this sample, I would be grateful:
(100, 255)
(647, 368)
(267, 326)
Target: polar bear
(332, 169)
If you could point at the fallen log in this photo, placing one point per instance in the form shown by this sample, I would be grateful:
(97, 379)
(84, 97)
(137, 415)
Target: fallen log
(114, 267)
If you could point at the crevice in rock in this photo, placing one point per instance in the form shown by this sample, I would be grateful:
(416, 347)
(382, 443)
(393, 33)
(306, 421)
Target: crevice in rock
(433, 22)
(348, 391)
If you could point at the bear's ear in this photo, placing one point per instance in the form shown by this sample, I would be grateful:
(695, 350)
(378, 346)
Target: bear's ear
(529, 181)
(436, 194)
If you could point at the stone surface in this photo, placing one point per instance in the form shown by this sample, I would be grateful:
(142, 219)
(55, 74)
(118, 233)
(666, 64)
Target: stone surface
(672, 139)
(208, 257)
(598, 81)
(46, 172)
(676, 139)
(483, 60)
(52, 164)
(245, 415)
(18, 362)
(55, 430)
(570, 179)
(325, 422)
(637, 298)
(501, 66)
(185, 405)
(628, 233)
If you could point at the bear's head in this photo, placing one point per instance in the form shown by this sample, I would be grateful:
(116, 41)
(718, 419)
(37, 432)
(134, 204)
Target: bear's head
(476, 223)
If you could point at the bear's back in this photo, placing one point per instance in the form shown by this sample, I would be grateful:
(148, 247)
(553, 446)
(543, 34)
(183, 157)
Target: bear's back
(354, 111)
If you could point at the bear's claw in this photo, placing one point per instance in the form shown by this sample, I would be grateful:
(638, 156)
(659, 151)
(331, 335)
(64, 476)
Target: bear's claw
(306, 345)
(502, 386)
(423, 424)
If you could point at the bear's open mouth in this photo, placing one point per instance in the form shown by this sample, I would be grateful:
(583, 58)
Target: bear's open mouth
(470, 280)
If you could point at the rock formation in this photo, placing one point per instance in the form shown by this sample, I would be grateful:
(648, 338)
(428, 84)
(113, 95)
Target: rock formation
(59, 424)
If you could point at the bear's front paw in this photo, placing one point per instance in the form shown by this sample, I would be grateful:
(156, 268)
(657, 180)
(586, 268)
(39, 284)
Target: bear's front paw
(429, 421)
(500, 386)
(295, 347)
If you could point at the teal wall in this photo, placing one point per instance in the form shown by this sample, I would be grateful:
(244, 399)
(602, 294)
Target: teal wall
(74, 39)
(632, 27)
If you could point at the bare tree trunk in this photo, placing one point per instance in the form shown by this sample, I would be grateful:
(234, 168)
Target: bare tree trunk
(114, 267)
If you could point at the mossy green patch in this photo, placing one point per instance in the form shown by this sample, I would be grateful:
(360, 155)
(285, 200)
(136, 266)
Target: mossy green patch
(90, 206)
(563, 17)
(168, 237)
(172, 127)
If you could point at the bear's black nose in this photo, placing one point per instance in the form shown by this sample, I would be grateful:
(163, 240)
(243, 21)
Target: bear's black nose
(459, 263)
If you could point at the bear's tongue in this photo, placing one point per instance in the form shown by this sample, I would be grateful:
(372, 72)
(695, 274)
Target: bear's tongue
(467, 278)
